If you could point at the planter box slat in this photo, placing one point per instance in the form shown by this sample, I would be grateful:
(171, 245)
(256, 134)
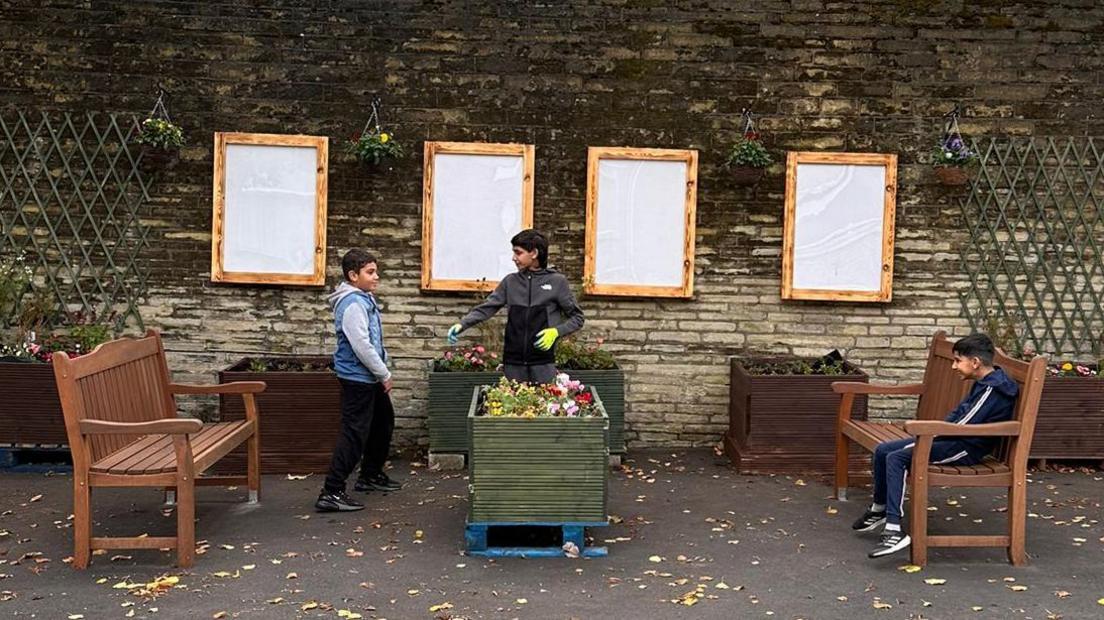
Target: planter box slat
(537, 469)
(300, 418)
(30, 411)
(787, 423)
(1070, 423)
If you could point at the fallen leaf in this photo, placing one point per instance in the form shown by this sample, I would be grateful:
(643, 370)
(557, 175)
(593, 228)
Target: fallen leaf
(218, 615)
(935, 582)
(522, 601)
(443, 606)
(71, 616)
(910, 568)
(309, 606)
(655, 558)
(881, 605)
(275, 601)
(1017, 588)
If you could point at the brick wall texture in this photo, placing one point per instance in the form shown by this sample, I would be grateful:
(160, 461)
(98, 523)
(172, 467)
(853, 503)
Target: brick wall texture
(867, 76)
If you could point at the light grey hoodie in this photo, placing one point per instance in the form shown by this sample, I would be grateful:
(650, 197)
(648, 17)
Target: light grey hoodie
(354, 326)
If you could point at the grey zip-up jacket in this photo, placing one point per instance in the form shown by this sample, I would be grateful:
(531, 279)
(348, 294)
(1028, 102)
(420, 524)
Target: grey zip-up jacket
(535, 300)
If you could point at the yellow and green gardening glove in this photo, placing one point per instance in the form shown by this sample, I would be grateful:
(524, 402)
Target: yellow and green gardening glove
(454, 333)
(546, 338)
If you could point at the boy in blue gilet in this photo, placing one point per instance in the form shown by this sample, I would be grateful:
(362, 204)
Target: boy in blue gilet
(360, 361)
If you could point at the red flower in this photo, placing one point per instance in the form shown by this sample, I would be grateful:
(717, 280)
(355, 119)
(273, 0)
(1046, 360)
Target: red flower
(584, 399)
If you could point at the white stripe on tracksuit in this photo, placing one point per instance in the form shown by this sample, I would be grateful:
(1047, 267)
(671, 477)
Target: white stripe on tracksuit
(977, 406)
(904, 479)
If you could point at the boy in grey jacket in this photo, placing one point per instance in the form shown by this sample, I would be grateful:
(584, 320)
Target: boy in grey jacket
(541, 310)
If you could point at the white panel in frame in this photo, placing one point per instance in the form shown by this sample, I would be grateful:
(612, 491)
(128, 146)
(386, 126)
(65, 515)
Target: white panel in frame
(640, 222)
(476, 197)
(839, 223)
(269, 209)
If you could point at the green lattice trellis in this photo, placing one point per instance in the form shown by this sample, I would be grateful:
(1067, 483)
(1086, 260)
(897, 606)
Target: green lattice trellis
(71, 197)
(1035, 217)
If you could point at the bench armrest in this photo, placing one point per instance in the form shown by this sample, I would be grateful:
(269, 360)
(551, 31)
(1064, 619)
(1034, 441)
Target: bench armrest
(857, 387)
(236, 387)
(921, 428)
(166, 426)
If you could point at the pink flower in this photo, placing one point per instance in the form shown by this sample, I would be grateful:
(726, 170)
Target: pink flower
(480, 350)
(448, 355)
(1084, 371)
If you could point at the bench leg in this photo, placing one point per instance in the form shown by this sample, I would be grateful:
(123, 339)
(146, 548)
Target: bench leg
(918, 518)
(253, 471)
(1017, 508)
(185, 524)
(82, 524)
(841, 467)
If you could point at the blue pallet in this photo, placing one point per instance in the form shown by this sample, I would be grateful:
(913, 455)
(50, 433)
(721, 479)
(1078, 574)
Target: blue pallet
(475, 536)
(22, 459)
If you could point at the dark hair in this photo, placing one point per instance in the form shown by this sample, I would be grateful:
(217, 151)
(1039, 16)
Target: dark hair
(976, 345)
(355, 260)
(530, 240)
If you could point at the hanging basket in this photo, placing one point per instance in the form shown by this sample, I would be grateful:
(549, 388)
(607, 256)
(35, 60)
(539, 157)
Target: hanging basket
(952, 176)
(154, 158)
(745, 176)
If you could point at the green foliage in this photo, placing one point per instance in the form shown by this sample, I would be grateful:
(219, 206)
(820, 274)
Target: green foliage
(372, 147)
(797, 367)
(572, 354)
(749, 152)
(277, 364)
(160, 133)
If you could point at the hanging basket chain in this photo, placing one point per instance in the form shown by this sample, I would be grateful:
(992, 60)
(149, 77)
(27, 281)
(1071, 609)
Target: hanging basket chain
(749, 123)
(374, 117)
(159, 109)
(950, 126)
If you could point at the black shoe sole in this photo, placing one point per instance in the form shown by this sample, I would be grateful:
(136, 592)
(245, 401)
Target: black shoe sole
(870, 528)
(331, 507)
(369, 487)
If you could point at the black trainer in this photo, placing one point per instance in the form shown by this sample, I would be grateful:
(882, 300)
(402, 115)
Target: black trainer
(870, 521)
(892, 542)
(336, 502)
(378, 482)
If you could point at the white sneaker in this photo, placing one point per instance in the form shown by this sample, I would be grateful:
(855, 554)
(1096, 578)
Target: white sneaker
(892, 542)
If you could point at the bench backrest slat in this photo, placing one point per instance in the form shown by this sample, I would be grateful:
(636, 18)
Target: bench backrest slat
(123, 380)
(943, 387)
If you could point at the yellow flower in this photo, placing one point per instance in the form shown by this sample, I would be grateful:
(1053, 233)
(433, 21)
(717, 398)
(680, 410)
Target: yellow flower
(384, 138)
(1067, 366)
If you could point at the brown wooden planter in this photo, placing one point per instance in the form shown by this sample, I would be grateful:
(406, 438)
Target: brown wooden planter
(787, 423)
(30, 412)
(300, 417)
(745, 176)
(1070, 424)
(952, 176)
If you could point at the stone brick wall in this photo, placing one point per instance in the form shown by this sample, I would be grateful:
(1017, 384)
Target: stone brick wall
(872, 76)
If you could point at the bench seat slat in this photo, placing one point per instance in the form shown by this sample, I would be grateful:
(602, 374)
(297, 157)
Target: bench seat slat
(152, 454)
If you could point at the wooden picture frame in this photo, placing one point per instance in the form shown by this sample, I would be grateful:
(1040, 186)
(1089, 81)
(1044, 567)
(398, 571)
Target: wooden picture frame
(475, 198)
(630, 249)
(269, 209)
(839, 226)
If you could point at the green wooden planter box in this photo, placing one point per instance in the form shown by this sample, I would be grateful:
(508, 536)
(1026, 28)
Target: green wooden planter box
(450, 396)
(537, 470)
(611, 385)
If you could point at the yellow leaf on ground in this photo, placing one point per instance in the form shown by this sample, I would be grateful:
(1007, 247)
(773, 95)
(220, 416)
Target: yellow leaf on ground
(441, 607)
(219, 614)
(522, 601)
(935, 582)
(275, 601)
(910, 568)
(1017, 588)
(309, 605)
(655, 558)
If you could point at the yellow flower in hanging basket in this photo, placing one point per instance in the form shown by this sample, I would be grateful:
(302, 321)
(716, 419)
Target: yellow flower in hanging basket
(1067, 366)
(384, 137)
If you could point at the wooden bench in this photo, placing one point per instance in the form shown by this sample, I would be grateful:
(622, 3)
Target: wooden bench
(941, 391)
(120, 416)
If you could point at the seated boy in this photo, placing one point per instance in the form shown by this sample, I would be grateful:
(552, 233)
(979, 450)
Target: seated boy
(991, 399)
